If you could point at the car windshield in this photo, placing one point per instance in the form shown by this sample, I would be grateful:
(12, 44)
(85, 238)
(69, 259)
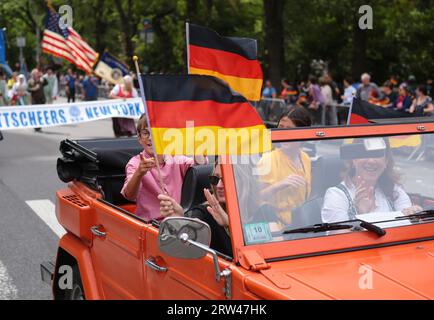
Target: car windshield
(300, 184)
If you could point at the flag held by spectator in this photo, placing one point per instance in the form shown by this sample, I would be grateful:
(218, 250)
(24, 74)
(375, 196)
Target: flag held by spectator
(111, 69)
(362, 112)
(200, 115)
(66, 43)
(233, 60)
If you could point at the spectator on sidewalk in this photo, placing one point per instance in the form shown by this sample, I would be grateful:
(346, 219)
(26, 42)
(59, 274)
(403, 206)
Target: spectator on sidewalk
(90, 89)
(12, 80)
(122, 126)
(389, 94)
(367, 89)
(36, 87)
(70, 80)
(52, 88)
(316, 100)
(349, 91)
(269, 92)
(19, 92)
(404, 101)
(4, 101)
(422, 105)
(328, 114)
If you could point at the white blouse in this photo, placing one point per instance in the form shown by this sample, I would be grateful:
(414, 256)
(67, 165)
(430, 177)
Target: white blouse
(336, 205)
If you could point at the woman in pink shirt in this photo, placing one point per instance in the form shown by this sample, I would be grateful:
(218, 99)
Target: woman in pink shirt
(142, 183)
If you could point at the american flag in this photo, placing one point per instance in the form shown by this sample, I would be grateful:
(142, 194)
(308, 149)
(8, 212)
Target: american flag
(66, 43)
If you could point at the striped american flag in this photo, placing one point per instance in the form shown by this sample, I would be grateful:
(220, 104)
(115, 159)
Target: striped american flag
(66, 43)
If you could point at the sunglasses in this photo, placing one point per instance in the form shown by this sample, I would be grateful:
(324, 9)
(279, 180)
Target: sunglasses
(214, 180)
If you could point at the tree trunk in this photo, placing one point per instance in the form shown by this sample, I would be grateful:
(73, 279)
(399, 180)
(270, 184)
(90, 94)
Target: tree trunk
(100, 26)
(360, 39)
(128, 29)
(274, 50)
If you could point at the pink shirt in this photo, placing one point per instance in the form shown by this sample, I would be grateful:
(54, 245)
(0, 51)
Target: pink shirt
(172, 171)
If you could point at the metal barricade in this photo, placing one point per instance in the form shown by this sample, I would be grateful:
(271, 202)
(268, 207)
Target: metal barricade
(270, 109)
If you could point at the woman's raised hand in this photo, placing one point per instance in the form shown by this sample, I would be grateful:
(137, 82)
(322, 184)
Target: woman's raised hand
(215, 209)
(364, 198)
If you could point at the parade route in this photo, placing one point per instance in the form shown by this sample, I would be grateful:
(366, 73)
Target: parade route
(29, 231)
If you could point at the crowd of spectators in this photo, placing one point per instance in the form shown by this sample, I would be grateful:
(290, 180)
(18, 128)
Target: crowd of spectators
(328, 102)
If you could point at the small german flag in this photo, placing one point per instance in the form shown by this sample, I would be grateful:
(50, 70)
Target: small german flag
(234, 60)
(363, 111)
(200, 115)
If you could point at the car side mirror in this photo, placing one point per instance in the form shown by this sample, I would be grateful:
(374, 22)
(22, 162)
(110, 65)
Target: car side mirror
(183, 237)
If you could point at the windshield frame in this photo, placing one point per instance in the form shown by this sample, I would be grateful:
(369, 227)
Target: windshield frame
(330, 243)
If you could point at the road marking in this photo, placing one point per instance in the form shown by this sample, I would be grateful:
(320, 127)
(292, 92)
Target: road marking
(7, 290)
(45, 210)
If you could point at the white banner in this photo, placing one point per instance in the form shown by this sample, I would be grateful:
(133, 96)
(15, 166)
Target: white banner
(51, 115)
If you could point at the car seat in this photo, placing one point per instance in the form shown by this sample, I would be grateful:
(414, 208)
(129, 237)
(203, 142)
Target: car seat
(195, 180)
(326, 173)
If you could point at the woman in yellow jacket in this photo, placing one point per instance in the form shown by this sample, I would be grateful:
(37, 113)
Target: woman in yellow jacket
(287, 170)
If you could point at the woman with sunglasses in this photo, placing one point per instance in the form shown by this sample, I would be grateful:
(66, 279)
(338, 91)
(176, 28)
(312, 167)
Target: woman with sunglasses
(213, 212)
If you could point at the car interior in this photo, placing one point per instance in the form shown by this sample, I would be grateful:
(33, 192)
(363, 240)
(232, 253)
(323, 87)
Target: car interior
(100, 164)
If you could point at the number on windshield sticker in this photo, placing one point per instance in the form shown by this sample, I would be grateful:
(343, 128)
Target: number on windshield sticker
(257, 232)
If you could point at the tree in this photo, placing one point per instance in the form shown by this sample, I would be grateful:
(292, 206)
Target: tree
(274, 55)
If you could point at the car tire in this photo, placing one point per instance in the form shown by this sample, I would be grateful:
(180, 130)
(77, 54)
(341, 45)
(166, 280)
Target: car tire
(77, 291)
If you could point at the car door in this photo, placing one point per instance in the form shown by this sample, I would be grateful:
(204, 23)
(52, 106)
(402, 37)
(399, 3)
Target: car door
(117, 252)
(175, 278)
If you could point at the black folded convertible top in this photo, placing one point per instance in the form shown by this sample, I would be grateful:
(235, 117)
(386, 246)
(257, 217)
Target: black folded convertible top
(93, 160)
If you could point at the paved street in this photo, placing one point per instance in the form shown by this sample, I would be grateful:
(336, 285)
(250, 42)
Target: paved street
(29, 232)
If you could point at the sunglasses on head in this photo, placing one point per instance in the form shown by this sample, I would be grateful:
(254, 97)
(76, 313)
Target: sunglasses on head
(214, 180)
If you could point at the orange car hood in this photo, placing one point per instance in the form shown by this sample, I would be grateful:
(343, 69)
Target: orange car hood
(395, 272)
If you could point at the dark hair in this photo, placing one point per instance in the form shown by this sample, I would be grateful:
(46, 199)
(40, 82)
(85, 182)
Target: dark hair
(298, 115)
(422, 88)
(313, 79)
(348, 79)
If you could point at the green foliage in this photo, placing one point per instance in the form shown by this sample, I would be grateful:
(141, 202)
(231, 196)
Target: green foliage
(400, 43)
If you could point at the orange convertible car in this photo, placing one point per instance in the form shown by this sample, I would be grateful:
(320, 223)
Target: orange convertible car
(342, 241)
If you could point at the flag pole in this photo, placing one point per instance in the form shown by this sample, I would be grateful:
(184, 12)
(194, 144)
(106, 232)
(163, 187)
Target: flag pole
(148, 123)
(187, 38)
(350, 110)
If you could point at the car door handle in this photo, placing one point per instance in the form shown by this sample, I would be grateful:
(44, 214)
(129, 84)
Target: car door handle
(151, 264)
(97, 232)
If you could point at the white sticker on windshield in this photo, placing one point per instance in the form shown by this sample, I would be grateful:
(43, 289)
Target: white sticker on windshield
(257, 233)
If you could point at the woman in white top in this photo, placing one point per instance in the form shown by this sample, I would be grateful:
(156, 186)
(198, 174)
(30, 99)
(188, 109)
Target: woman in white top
(370, 185)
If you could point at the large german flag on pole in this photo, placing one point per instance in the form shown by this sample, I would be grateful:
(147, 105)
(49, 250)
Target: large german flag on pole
(196, 115)
(234, 60)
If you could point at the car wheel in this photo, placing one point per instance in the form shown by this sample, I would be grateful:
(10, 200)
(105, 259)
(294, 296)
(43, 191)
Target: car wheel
(77, 291)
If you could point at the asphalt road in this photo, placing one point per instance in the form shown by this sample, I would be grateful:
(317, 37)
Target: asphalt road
(28, 178)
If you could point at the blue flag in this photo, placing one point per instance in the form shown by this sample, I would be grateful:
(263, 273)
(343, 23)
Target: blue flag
(111, 69)
(3, 63)
(2, 47)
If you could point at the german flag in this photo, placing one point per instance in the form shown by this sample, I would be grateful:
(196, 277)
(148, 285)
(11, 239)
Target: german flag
(234, 60)
(362, 112)
(200, 115)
